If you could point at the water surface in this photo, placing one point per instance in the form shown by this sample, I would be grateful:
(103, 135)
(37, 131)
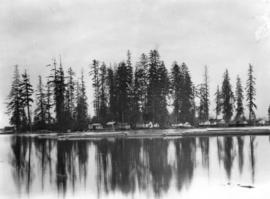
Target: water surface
(190, 167)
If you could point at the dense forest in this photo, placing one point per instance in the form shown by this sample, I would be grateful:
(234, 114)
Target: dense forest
(125, 93)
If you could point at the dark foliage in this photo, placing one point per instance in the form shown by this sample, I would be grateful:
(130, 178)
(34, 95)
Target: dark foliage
(227, 98)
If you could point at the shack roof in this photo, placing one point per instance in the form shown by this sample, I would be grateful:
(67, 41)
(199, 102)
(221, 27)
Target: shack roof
(96, 124)
(111, 123)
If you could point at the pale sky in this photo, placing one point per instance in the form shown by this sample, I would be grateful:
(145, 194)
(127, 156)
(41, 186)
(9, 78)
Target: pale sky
(218, 33)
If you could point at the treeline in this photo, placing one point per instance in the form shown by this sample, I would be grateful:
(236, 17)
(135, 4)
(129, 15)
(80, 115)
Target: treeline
(142, 93)
(60, 103)
(126, 93)
(128, 96)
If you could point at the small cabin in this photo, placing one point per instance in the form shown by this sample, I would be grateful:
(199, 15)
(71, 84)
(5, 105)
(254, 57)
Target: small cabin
(95, 126)
(111, 125)
(9, 129)
(187, 125)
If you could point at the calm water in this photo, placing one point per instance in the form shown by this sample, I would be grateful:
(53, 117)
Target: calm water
(191, 167)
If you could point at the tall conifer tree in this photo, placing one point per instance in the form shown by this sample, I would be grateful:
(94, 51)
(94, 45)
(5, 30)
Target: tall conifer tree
(122, 92)
(157, 90)
(94, 72)
(70, 94)
(26, 93)
(140, 88)
(60, 97)
(218, 102)
(251, 92)
(112, 94)
(239, 100)
(176, 81)
(204, 97)
(14, 104)
(187, 93)
(57, 82)
(48, 103)
(103, 94)
(227, 98)
(82, 106)
(40, 111)
(131, 112)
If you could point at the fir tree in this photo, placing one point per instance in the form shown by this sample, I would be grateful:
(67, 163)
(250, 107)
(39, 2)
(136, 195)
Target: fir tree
(48, 103)
(57, 82)
(94, 72)
(129, 68)
(40, 111)
(112, 95)
(70, 95)
(77, 98)
(122, 91)
(187, 96)
(82, 107)
(152, 93)
(202, 114)
(193, 103)
(103, 93)
(227, 98)
(163, 90)
(51, 90)
(251, 92)
(130, 92)
(204, 98)
(183, 96)
(176, 89)
(218, 102)
(70, 100)
(60, 97)
(157, 90)
(239, 100)
(14, 106)
(26, 94)
(140, 88)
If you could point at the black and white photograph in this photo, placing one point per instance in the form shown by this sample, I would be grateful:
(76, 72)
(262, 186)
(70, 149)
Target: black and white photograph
(134, 99)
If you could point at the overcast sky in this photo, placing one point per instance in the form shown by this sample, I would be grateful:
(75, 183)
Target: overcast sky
(218, 33)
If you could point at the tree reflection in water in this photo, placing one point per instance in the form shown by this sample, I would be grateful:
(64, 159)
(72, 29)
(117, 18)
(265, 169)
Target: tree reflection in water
(240, 142)
(219, 149)
(43, 153)
(122, 165)
(71, 163)
(186, 157)
(204, 144)
(133, 162)
(229, 155)
(21, 162)
(252, 157)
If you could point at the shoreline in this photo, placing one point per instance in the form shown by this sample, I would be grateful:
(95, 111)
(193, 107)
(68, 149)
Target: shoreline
(150, 133)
